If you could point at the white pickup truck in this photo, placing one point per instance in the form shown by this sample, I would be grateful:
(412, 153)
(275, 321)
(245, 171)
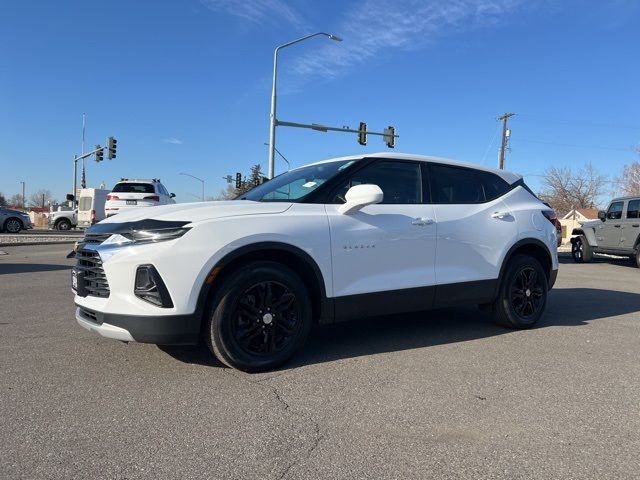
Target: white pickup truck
(63, 219)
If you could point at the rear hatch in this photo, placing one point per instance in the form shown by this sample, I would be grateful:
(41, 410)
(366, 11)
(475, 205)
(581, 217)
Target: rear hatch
(133, 194)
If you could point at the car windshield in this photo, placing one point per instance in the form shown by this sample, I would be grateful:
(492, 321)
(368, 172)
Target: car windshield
(295, 185)
(133, 188)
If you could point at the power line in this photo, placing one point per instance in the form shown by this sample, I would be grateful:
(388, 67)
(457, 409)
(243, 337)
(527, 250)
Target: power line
(574, 145)
(577, 122)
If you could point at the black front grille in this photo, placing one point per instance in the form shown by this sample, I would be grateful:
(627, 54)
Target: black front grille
(94, 278)
(94, 238)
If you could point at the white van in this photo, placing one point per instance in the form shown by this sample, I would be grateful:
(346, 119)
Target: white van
(91, 206)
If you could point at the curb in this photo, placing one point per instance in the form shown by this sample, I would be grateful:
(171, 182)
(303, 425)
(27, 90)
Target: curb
(26, 244)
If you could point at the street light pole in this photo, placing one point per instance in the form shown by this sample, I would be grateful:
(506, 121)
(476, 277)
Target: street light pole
(201, 180)
(23, 199)
(273, 122)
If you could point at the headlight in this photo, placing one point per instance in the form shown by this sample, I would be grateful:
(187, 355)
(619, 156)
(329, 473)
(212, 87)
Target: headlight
(146, 236)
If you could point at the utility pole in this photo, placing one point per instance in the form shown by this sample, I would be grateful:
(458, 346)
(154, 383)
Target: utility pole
(505, 137)
(23, 199)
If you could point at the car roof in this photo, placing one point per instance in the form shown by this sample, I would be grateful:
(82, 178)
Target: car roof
(139, 180)
(629, 197)
(506, 175)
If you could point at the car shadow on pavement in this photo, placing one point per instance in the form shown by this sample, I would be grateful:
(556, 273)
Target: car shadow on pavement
(370, 336)
(566, 258)
(9, 268)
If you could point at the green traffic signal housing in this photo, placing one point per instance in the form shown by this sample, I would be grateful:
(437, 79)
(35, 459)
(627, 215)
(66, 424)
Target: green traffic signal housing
(112, 145)
(99, 153)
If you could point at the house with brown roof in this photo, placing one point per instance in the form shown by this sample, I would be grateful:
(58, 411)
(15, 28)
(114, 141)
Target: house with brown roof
(574, 219)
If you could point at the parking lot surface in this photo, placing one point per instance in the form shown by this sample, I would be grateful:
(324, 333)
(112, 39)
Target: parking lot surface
(444, 394)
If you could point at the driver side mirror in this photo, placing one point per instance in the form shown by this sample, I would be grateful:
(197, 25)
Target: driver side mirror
(360, 196)
(602, 215)
(172, 195)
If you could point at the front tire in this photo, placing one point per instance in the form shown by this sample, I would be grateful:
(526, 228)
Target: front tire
(63, 225)
(12, 225)
(523, 293)
(259, 318)
(637, 256)
(581, 250)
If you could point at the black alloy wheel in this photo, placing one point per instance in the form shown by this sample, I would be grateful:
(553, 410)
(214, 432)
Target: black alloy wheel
(259, 316)
(13, 225)
(577, 250)
(526, 293)
(522, 296)
(580, 250)
(266, 319)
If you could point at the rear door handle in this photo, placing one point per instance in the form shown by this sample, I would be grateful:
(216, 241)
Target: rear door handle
(500, 215)
(422, 221)
(617, 226)
(635, 225)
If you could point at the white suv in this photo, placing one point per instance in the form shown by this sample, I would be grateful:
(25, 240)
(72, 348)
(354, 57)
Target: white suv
(345, 238)
(133, 194)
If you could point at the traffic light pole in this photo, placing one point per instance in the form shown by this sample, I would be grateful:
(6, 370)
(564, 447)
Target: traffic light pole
(75, 172)
(324, 128)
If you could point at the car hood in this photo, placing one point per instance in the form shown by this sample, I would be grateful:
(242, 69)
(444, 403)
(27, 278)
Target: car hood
(10, 211)
(591, 223)
(197, 212)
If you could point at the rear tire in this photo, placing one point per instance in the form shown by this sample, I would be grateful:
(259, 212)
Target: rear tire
(259, 318)
(523, 293)
(581, 250)
(637, 259)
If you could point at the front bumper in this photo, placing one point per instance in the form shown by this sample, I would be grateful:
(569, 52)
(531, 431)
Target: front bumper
(161, 330)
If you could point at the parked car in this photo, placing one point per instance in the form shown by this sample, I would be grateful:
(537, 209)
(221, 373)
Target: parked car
(133, 194)
(13, 221)
(91, 206)
(616, 232)
(345, 238)
(63, 219)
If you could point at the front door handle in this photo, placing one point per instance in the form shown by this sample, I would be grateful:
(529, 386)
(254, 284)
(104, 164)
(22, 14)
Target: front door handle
(422, 221)
(500, 215)
(635, 225)
(617, 226)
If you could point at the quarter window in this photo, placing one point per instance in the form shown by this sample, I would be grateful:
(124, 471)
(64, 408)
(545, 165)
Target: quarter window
(615, 211)
(633, 210)
(400, 182)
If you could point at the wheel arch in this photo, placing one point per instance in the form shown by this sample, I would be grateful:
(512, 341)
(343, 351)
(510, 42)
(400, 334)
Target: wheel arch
(534, 248)
(293, 257)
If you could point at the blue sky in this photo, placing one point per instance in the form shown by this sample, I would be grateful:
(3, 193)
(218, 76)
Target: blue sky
(185, 85)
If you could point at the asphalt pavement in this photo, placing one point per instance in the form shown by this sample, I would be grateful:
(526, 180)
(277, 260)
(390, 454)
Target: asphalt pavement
(444, 394)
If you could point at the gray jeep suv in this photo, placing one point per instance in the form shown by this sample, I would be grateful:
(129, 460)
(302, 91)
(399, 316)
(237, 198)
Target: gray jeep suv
(616, 232)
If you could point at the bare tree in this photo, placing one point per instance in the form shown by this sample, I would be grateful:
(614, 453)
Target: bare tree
(39, 198)
(564, 190)
(630, 179)
(15, 200)
(3, 201)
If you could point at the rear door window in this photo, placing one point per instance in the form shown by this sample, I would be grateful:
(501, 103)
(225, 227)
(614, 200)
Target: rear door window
(84, 204)
(633, 209)
(455, 185)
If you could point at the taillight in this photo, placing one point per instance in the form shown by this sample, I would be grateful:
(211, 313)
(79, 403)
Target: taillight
(550, 215)
(113, 197)
(93, 215)
(155, 198)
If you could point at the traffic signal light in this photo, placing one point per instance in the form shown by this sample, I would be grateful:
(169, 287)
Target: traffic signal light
(99, 153)
(389, 137)
(362, 134)
(112, 144)
(238, 180)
